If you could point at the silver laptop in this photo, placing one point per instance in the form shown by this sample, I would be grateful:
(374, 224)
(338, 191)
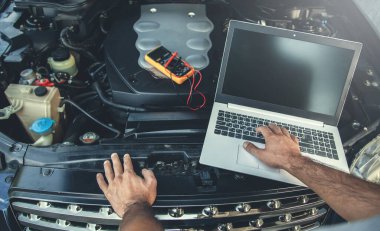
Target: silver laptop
(269, 75)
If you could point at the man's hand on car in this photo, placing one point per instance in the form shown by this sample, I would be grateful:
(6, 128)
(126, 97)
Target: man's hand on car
(130, 195)
(280, 147)
(124, 187)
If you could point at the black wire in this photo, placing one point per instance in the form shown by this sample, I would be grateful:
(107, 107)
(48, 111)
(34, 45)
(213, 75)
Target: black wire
(168, 108)
(85, 95)
(76, 118)
(117, 132)
(67, 44)
(137, 73)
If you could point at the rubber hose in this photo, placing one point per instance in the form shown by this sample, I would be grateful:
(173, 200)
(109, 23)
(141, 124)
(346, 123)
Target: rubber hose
(117, 132)
(79, 49)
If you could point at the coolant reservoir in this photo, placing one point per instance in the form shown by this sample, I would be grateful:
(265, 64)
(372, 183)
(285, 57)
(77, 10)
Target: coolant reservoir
(62, 61)
(38, 102)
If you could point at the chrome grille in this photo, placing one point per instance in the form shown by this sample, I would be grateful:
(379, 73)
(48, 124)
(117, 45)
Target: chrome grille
(293, 213)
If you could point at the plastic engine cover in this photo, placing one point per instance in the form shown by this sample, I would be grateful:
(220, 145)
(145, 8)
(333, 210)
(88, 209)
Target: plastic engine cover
(183, 28)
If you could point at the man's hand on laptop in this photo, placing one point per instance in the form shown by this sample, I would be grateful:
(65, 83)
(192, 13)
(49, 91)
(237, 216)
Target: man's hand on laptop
(333, 186)
(281, 147)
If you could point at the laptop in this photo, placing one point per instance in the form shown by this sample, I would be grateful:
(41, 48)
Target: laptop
(293, 79)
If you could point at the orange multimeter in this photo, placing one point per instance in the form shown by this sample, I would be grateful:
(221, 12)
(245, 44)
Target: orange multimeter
(170, 64)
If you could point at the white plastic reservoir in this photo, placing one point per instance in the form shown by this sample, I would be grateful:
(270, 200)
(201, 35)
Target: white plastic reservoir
(37, 102)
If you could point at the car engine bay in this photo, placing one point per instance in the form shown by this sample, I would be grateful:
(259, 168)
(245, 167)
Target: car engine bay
(96, 62)
(74, 87)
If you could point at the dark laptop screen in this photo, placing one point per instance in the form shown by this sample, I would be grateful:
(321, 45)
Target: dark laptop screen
(287, 72)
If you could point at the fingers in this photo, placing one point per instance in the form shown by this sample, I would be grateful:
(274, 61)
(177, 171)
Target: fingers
(285, 131)
(108, 171)
(118, 170)
(295, 139)
(128, 166)
(251, 148)
(149, 176)
(265, 131)
(101, 182)
(275, 129)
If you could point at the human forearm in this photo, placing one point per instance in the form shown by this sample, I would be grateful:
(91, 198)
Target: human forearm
(349, 196)
(139, 216)
(130, 195)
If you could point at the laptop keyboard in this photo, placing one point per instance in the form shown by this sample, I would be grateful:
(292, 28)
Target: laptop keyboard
(243, 127)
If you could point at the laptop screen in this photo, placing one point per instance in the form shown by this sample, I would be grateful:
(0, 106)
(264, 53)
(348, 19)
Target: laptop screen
(287, 72)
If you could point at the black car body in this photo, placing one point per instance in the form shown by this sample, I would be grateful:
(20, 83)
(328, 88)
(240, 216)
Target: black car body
(54, 188)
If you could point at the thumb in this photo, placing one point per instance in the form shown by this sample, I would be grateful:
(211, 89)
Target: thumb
(149, 177)
(252, 149)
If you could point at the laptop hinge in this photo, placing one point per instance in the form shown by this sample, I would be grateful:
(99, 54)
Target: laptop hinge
(275, 114)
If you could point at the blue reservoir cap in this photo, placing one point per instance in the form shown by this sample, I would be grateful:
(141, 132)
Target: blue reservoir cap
(42, 126)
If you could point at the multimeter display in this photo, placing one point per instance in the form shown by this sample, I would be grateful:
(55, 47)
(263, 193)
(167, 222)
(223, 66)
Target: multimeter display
(159, 54)
(170, 64)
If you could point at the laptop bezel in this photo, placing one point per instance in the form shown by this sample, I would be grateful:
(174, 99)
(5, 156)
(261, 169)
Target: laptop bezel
(327, 119)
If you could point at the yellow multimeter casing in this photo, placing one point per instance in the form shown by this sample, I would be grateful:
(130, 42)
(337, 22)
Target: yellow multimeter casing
(170, 64)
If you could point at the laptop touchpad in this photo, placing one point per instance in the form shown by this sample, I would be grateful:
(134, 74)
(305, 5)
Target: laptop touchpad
(247, 159)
